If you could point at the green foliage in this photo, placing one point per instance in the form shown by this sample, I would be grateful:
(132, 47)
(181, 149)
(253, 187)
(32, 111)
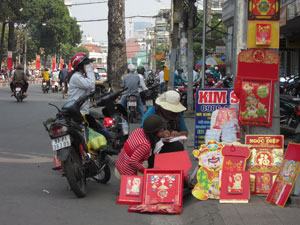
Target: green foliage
(68, 51)
(216, 33)
(47, 24)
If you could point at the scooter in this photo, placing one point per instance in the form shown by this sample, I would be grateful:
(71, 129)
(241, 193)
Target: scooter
(18, 92)
(45, 87)
(54, 86)
(132, 108)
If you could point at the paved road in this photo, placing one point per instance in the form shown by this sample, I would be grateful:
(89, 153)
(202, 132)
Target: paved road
(32, 194)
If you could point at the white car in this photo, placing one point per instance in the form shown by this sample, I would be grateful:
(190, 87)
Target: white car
(102, 73)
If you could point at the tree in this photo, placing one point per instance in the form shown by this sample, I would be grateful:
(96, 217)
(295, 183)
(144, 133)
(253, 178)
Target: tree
(217, 33)
(116, 59)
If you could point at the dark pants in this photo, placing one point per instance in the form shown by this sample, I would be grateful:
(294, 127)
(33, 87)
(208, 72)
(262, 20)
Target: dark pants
(24, 86)
(167, 148)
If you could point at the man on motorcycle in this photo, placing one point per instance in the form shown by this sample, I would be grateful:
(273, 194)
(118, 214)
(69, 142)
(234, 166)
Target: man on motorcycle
(19, 76)
(131, 81)
(82, 82)
(63, 75)
(46, 76)
(141, 72)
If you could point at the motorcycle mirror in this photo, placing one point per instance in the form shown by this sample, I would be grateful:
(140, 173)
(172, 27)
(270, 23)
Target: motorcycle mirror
(54, 106)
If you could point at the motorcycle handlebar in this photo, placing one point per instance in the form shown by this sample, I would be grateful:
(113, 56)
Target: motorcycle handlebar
(109, 97)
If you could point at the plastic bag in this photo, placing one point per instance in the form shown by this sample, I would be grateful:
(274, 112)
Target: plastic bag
(96, 140)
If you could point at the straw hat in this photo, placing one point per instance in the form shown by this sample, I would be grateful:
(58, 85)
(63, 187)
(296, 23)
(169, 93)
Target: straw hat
(170, 101)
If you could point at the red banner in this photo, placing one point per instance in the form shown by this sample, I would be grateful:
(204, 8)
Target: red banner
(53, 65)
(256, 103)
(69, 66)
(61, 63)
(38, 62)
(9, 60)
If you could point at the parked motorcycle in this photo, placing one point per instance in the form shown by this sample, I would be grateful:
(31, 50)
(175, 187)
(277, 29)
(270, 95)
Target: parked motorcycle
(182, 90)
(69, 137)
(114, 119)
(18, 92)
(290, 85)
(45, 87)
(290, 117)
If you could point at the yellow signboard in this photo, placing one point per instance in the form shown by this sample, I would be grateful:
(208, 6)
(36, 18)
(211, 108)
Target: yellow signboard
(258, 39)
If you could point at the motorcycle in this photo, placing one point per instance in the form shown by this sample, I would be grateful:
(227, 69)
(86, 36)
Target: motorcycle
(149, 96)
(68, 132)
(290, 117)
(182, 90)
(18, 92)
(225, 82)
(54, 86)
(132, 108)
(45, 87)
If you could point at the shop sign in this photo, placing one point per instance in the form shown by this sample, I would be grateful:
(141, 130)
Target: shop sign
(265, 160)
(263, 9)
(207, 101)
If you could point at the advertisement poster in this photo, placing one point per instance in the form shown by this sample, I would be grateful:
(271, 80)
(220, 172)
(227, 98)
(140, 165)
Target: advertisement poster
(263, 34)
(263, 9)
(207, 101)
(265, 160)
(256, 103)
(251, 34)
(130, 190)
(286, 177)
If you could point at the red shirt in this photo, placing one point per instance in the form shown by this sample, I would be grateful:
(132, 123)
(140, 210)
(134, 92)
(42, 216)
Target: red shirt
(135, 151)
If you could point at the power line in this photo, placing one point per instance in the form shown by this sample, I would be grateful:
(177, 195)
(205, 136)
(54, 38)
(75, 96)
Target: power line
(127, 17)
(85, 3)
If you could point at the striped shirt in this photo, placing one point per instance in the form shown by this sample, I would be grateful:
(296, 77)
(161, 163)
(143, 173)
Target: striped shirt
(135, 151)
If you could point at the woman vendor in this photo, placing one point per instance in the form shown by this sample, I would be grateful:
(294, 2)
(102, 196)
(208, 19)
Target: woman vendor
(168, 106)
(138, 146)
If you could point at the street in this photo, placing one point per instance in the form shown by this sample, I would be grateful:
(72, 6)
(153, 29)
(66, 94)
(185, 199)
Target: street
(33, 194)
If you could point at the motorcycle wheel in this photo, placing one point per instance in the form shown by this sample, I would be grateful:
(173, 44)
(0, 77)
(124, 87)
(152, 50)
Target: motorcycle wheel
(75, 174)
(104, 175)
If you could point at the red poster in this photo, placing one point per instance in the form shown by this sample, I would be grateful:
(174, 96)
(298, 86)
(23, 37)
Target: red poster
(263, 9)
(9, 60)
(235, 187)
(265, 160)
(256, 103)
(130, 190)
(286, 177)
(38, 62)
(53, 64)
(235, 181)
(263, 34)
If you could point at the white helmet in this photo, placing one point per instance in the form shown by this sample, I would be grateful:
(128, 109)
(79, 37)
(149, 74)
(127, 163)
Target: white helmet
(131, 68)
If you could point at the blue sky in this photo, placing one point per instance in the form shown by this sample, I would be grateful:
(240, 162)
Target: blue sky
(98, 30)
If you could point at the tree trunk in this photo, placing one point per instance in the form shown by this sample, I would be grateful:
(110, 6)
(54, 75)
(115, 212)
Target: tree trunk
(2, 42)
(116, 59)
(11, 36)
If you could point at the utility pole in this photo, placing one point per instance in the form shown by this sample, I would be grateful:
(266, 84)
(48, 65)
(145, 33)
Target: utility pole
(190, 56)
(116, 58)
(203, 42)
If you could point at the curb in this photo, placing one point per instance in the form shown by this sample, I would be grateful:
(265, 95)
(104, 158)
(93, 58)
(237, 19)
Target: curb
(295, 201)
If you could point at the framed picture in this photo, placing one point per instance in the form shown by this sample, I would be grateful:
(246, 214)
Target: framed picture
(131, 189)
(263, 34)
(263, 9)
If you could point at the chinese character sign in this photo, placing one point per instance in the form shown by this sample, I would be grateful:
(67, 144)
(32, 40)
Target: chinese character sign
(263, 9)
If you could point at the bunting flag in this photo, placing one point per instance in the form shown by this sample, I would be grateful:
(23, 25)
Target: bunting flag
(38, 62)
(9, 60)
(53, 65)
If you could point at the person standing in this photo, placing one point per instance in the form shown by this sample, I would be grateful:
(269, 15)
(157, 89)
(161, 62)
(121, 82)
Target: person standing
(131, 81)
(162, 80)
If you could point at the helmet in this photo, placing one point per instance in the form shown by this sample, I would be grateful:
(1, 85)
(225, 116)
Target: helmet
(153, 124)
(79, 58)
(131, 68)
(141, 70)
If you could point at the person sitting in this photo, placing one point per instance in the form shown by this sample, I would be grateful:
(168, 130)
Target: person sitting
(19, 76)
(168, 107)
(138, 147)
